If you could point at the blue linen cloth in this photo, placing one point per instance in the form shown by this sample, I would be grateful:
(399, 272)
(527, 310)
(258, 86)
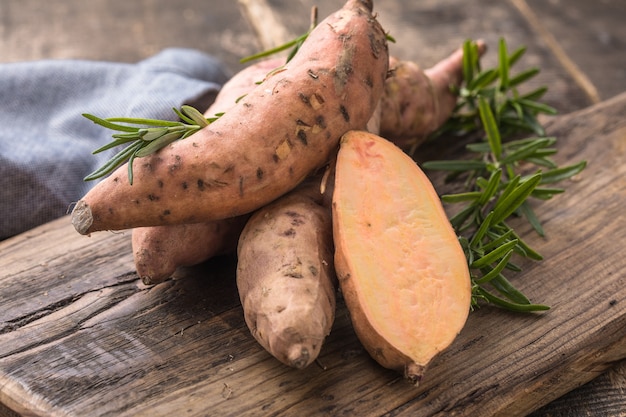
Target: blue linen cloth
(46, 144)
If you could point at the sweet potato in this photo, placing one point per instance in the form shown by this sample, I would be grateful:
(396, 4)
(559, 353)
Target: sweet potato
(417, 102)
(159, 250)
(399, 264)
(285, 275)
(263, 147)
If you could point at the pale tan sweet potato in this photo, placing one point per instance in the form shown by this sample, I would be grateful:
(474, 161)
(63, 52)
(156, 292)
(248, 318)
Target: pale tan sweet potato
(417, 102)
(400, 267)
(278, 134)
(285, 275)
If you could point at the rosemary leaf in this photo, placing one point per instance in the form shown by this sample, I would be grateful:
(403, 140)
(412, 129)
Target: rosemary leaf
(508, 305)
(525, 151)
(504, 65)
(119, 141)
(141, 121)
(505, 288)
(532, 218)
(119, 159)
(505, 207)
(523, 77)
(494, 255)
(454, 165)
(497, 270)
(158, 143)
(480, 232)
(107, 124)
(560, 174)
(457, 198)
(491, 127)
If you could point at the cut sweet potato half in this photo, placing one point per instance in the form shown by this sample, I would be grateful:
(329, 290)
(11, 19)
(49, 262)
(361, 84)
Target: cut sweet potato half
(400, 266)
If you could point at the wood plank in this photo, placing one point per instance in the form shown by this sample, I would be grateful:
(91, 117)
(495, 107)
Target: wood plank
(597, 43)
(82, 335)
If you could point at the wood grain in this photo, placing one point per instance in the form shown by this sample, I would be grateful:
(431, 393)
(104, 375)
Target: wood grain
(81, 335)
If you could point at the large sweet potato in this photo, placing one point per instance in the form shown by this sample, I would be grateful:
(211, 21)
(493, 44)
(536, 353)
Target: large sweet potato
(399, 264)
(263, 147)
(285, 275)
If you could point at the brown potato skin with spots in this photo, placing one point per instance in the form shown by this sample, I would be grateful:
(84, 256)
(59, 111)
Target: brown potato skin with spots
(266, 145)
(285, 275)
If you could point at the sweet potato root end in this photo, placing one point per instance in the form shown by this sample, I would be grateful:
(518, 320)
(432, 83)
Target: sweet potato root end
(82, 218)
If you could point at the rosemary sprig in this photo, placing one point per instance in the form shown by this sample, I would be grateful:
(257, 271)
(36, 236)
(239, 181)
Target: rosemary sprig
(499, 180)
(144, 137)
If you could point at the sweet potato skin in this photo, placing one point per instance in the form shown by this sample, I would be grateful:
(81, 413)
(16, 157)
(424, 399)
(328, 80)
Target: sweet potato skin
(274, 138)
(285, 275)
(158, 251)
(242, 83)
(409, 300)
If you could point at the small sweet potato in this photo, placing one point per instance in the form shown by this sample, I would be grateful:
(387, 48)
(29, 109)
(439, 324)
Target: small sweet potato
(285, 275)
(158, 251)
(276, 136)
(399, 264)
(417, 102)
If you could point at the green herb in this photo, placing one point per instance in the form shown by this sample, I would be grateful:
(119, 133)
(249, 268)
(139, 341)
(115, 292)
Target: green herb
(144, 137)
(499, 180)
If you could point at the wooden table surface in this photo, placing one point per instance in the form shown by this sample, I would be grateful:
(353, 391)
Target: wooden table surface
(82, 336)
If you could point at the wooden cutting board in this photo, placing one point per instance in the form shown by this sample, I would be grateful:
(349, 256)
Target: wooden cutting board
(81, 335)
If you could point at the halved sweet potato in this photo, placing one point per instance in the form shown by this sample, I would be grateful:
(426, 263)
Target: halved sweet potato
(400, 266)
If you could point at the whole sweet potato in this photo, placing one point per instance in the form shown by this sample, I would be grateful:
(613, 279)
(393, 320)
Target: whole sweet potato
(285, 275)
(417, 102)
(278, 134)
(400, 266)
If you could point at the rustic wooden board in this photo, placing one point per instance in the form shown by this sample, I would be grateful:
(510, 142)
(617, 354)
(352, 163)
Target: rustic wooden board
(81, 335)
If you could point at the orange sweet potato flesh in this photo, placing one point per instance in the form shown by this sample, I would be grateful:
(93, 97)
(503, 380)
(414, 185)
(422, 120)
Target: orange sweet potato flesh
(400, 267)
(275, 137)
(285, 275)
